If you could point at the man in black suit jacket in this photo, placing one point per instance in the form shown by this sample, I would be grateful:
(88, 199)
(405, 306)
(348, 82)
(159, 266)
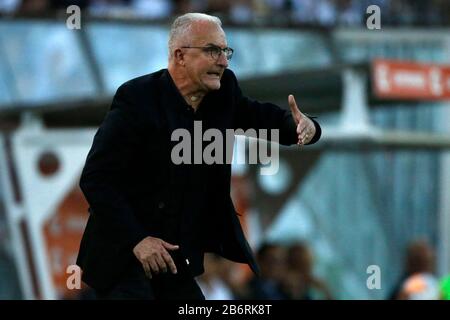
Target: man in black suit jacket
(151, 221)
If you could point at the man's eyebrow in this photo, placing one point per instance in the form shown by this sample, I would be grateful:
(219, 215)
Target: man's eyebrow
(213, 45)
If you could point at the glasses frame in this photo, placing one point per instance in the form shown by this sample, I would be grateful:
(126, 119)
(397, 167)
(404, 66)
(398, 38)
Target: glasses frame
(208, 48)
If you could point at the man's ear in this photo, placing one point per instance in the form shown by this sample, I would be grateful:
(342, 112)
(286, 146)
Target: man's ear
(179, 57)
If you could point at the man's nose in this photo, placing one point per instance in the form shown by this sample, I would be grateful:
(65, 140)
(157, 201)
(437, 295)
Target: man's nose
(222, 61)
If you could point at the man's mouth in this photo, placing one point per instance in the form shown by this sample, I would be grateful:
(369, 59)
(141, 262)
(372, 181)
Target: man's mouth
(214, 73)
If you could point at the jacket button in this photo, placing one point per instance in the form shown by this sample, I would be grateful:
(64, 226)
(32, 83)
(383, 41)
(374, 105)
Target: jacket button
(161, 205)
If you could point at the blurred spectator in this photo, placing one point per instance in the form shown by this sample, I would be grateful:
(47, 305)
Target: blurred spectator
(241, 11)
(272, 262)
(111, 8)
(34, 7)
(327, 13)
(401, 13)
(304, 11)
(350, 12)
(155, 9)
(420, 286)
(9, 6)
(183, 6)
(43, 7)
(419, 281)
(300, 282)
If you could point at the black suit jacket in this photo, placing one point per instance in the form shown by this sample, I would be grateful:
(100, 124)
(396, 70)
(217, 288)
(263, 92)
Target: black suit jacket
(134, 190)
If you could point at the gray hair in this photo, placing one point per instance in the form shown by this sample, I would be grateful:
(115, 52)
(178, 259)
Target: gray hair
(182, 26)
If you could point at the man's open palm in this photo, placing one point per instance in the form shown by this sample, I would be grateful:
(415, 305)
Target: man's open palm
(305, 127)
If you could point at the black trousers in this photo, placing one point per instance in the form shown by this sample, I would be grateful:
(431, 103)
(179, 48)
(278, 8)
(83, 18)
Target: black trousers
(136, 285)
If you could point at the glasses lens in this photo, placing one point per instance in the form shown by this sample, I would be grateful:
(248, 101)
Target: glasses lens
(228, 53)
(216, 51)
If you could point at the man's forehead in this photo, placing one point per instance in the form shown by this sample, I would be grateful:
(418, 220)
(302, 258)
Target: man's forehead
(204, 32)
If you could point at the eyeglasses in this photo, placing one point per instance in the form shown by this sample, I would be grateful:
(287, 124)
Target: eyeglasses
(215, 51)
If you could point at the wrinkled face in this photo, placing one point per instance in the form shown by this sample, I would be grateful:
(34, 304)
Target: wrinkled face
(203, 71)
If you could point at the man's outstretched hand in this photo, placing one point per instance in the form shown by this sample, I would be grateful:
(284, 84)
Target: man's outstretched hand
(305, 127)
(152, 253)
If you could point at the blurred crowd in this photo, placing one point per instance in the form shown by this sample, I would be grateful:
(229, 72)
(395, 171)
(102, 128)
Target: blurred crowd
(288, 273)
(314, 13)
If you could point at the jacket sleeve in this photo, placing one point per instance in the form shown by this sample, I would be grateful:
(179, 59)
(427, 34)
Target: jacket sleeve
(102, 180)
(253, 114)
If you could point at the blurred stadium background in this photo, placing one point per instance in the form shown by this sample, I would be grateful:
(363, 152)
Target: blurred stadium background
(376, 182)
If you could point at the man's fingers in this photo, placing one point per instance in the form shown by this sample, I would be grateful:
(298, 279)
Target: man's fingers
(294, 109)
(303, 129)
(170, 246)
(169, 261)
(301, 138)
(147, 269)
(161, 263)
(153, 265)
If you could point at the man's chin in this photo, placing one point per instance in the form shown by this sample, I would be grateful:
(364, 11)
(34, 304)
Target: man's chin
(213, 85)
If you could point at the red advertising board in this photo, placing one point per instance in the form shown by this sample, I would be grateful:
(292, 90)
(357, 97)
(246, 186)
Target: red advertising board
(63, 234)
(394, 79)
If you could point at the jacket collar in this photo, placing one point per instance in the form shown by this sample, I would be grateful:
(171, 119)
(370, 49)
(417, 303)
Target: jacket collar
(171, 96)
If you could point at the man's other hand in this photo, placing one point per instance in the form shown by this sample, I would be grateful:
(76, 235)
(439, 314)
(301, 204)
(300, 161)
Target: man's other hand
(305, 127)
(152, 253)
